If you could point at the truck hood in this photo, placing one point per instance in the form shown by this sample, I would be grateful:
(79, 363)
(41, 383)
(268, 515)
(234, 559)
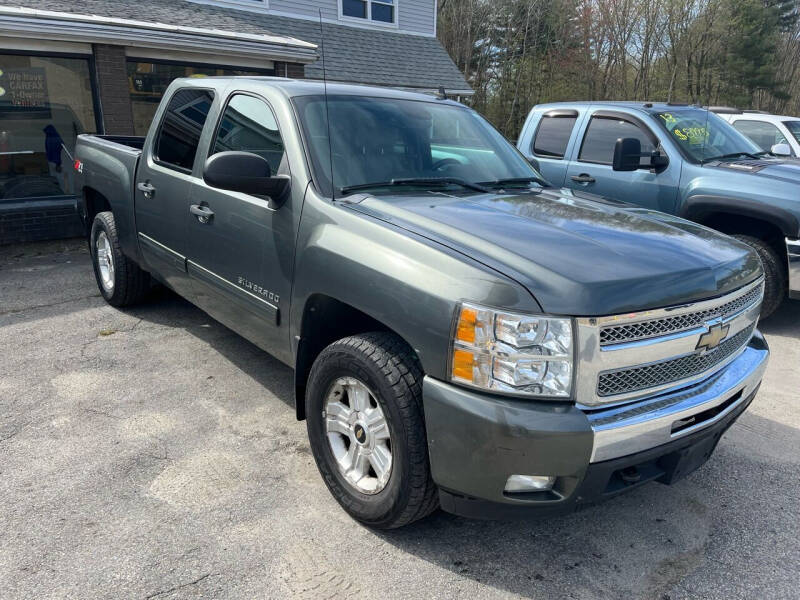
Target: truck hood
(578, 254)
(785, 170)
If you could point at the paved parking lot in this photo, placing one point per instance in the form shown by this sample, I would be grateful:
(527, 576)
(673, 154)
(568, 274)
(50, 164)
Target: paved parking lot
(152, 453)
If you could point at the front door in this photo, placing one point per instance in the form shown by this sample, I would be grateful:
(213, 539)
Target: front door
(163, 182)
(591, 169)
(241, 248)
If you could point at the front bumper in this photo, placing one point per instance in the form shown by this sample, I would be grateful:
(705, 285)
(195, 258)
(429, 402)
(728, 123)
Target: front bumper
(476, 441)
(793, 254)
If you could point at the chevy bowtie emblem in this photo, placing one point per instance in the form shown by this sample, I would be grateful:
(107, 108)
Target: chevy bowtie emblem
(713, 337)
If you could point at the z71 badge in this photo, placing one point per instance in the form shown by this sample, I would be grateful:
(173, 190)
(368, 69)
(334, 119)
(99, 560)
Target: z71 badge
(257, 289)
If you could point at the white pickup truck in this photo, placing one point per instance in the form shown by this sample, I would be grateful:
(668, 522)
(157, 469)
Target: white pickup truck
(777, 134)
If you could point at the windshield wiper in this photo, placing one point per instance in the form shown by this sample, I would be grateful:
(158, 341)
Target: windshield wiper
(418, 181)
(513, 180)
(731, 155)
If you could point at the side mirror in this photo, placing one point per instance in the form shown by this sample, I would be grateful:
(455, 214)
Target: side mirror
(627, 152)
(781, 150)
(245, 172)
(658, 160)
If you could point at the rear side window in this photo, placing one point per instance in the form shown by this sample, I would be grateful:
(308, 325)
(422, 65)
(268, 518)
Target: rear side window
(181, 128)
(248, 125)
(552, 136)
(602, 135)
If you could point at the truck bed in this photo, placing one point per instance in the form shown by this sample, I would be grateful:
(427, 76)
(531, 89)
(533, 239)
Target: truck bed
(131, 141)
(107, 169)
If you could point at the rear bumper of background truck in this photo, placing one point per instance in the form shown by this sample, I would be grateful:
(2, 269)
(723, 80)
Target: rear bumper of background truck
(477, 441)
(793, 254)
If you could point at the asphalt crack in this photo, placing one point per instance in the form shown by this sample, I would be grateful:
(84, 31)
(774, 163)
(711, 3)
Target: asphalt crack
(181, 586)
(15, 311)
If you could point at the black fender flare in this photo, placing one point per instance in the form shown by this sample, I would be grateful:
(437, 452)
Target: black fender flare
(696, 208)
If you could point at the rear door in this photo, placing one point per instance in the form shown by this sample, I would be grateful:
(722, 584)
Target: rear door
(163, 181)
(550, 143)
(241, 257)
(591, 168)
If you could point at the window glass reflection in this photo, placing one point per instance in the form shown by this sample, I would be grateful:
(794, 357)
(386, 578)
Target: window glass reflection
(45, 103)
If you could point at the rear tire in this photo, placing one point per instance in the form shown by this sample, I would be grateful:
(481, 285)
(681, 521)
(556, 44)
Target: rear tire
(372, 377)
(775, 275)
(121, 281)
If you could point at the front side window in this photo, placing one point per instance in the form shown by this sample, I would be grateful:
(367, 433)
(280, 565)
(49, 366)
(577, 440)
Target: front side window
(181, 127)
(380, 11)
(702, 136)
(248, 125)
(553, 135)
(45, 103)
(602, 135)
(383, 139)
(763, 134)
(794, 128)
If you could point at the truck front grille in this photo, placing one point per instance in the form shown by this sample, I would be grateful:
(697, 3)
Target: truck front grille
(648, 376)
(620, 334)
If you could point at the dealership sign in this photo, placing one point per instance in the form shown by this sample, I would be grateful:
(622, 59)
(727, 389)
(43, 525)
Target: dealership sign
(25, 88)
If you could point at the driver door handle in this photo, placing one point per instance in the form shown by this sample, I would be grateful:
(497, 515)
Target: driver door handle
(203, 213)
(583, 178)
(148, 190)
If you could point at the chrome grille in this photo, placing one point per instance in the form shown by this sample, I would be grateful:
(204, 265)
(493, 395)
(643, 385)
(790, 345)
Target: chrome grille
(620, 334)
(668, 371)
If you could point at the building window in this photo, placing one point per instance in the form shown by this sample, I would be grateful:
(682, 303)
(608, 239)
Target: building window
(377, 11)
(45, 103)
(149, 80)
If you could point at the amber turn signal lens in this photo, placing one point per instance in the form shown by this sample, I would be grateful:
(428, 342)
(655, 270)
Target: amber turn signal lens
(463, 362)
(467, 321)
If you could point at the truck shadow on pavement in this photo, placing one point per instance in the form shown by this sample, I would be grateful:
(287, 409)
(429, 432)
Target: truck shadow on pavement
(167, 309)
(705, 536)
(719, 529)
(785, 321)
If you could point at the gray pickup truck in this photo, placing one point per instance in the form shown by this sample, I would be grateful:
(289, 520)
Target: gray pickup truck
(461, 335)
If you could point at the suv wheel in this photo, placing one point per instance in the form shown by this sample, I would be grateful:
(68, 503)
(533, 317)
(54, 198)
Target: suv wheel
(120, 280)
(367, 430)
(775, 275)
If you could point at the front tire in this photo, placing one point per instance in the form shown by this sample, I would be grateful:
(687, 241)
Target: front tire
(775, 275)
(367, 430)
(121, 281)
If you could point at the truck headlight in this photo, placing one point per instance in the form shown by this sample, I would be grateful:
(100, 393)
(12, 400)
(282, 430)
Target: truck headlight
(520, 354)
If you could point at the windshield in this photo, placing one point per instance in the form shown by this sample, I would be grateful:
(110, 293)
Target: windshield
(702, 135)
(408, 142)
(794, 128)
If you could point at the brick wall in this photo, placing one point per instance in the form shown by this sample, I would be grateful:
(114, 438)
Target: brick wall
(34, 220)
(112, 80)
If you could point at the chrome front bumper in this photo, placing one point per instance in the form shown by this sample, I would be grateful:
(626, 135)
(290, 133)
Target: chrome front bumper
(627, 429)
(793, 254)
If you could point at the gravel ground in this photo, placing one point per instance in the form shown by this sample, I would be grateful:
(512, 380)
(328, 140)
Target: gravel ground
(153, 453)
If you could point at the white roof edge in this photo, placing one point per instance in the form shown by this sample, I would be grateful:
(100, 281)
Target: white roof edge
(30, 13)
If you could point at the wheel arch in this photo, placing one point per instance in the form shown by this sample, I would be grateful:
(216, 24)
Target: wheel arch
(326, 319)
(732, 216)
(93, 203)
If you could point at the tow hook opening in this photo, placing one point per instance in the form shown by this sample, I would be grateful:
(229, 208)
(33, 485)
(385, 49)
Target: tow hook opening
(630, 475)
(706, 415)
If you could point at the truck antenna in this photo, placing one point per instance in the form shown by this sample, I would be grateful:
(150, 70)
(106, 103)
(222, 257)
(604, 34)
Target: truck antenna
(327, 112)
(705, 134)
